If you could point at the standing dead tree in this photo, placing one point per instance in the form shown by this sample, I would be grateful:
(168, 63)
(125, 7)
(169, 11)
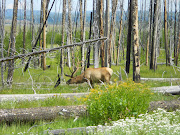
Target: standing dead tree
(136, 54)
(111, 31)
(153, 64)
(24, 31)
(38, 37)
(2, 32)
(12, 44)
(106, 32)
(62, 38)
(101, 33)
(128, 53)
(166, 35)
(120, 31)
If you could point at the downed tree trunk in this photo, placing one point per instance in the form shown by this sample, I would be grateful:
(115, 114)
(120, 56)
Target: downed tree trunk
(50, 113)
(42, 113)
(160, 79)
(167, 105)
(30, 97)
(175, 90)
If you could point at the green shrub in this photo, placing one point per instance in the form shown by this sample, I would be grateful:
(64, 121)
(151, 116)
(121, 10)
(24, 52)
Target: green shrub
(117, 101)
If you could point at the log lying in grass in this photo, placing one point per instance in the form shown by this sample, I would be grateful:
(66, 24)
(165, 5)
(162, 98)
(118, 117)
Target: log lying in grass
(42, 113)
(167, 105)
(175, 90)
(50, 113)
(160, 79)
(19, 97)
(76, 131)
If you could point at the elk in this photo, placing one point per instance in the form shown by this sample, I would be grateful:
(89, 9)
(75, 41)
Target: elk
(91, 76)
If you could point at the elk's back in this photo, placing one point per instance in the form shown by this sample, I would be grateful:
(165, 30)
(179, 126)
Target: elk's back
(95, 74)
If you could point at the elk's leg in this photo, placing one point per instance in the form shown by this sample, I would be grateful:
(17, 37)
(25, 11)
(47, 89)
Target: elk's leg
(107, 79)
(88, 81)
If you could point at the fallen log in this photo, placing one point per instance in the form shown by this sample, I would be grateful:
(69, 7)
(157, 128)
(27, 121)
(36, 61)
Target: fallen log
(166, 105)
(160, 79)
(174, 90)
(50, 113)
(74, 131)
(42, 113)
(21, 97)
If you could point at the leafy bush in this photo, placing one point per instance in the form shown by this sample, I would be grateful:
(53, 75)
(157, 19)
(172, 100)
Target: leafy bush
(117, 101)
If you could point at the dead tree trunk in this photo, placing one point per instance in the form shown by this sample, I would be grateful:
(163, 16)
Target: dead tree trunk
(2, 33)
(166, 35)
(111, 31)
(24, 31)
(12, 44)
(89, 47)
(178, 42)
(136, 55)
(40, 62)
(42, 113)
(106, 32)
(69, 35)
(128, 52)
(120, 31)
(154, 36)
(63, 31)
(101, 34)
(44, 34)
(96, 34)
(84, 36)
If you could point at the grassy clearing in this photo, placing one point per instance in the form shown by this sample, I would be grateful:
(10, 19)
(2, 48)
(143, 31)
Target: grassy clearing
(44, 81)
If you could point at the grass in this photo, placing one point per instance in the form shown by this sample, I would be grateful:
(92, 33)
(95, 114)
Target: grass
(54, 101)
(40, 126)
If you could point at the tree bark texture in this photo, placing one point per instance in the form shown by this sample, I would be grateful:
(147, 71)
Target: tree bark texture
(166, 35)
(135, 36)
(2, 35)
(69, 35)
(24, 31)
(154, 36)
(106, 33)
(42, 113)
(63, 33)
(120, 32)
(101, 34)
(128, 52)
(12, 44)
(111, 31)
(44, 34)
(84, 36)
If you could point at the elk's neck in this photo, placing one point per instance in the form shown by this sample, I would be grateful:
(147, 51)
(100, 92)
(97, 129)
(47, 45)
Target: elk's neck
(80, 78)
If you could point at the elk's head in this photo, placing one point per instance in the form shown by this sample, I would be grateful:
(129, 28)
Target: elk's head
(77, 79)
